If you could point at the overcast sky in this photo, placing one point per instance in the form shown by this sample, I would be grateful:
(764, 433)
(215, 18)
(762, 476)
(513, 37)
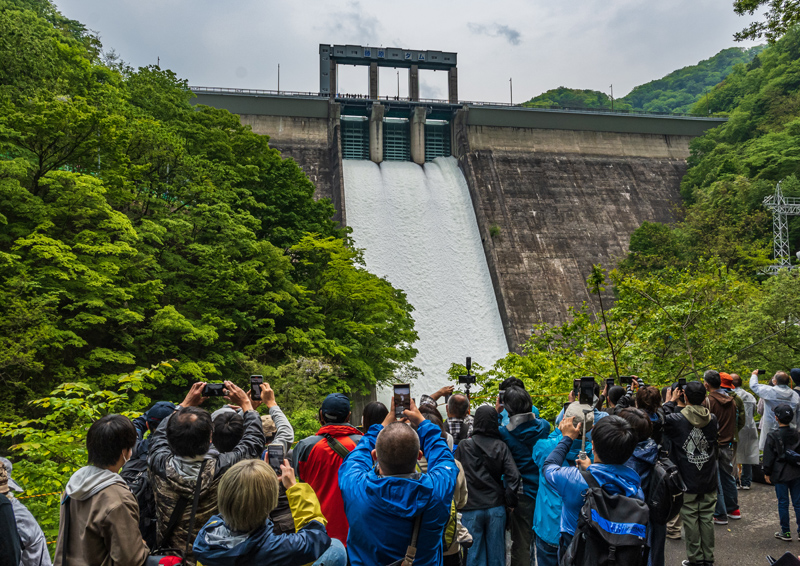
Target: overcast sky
(540, 44)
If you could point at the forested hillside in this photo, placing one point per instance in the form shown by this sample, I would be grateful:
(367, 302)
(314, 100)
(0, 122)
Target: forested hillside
(564, 97)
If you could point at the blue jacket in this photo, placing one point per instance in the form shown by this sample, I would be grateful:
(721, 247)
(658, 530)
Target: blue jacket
(521, 434)
(381, 509)
(547, 514)
(504, 415)
(643, 459)
(568, 482)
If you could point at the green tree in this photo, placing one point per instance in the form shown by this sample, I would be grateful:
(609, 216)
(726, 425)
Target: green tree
(780, 17)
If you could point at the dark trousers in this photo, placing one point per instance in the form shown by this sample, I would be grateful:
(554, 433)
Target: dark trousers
(784, 491)
(563, 544)
(546, 554)
(522, 548)
(727, 496)
(657, 537)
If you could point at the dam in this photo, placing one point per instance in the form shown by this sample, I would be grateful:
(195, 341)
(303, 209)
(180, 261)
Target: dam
(550, 191)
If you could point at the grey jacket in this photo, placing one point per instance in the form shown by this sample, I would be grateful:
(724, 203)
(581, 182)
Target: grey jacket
(33, 543)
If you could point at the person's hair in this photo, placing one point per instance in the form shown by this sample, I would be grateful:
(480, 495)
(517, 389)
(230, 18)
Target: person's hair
(397, 448)
(615, 393)
(458, 405)
(107, 438)
(431, 414)
(228, 431)
(712, 378)
(782, 378)
(694, 392)
(247, 494)
(511, 382)
(737, 381)
(639, 421)
(613, 440)
(374, 413)
(648, 398)
(189, 432)
(517, 401)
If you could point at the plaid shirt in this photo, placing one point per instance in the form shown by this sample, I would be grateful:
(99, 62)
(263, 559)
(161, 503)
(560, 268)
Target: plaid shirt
(453, 425)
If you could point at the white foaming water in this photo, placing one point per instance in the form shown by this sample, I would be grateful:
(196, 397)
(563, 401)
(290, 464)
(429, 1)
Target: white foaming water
(419, 230)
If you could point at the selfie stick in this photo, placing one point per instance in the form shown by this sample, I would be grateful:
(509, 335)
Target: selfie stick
(582, 453)
(468, 379)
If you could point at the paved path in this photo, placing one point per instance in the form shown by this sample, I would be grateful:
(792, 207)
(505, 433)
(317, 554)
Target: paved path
(749, 540)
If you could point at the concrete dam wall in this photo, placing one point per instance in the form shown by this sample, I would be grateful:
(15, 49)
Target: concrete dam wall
(565, 189)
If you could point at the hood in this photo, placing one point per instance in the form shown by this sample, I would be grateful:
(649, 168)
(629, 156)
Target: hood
(527, 427)
(217, 544)
(339, 430)
(485, 423)
(91, 480)
(400, 496)
(784, 392)
(617, 479)
(721, 397)
(644, 456)
(697, 415)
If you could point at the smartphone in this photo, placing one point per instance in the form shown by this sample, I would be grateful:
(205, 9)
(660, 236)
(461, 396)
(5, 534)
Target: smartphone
(576, 387)
(762, 371)
(681, 383)
(501, 395)
(402, 398)
(587, 391)
(276, 454)
(256, 381)
(610, 382)
(626, 379)
(213, 390)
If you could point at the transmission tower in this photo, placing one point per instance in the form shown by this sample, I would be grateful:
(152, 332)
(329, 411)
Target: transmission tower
(782, 207)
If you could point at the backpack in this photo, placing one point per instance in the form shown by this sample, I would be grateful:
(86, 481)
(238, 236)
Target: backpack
(612, 530)
(135, 475)
(787, 455)
(451, 528)
(665, 494)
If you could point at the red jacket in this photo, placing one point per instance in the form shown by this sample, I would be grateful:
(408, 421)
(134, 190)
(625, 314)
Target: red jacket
(317, 464)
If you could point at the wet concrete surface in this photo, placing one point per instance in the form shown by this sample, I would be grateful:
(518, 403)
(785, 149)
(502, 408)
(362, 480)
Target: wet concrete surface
(749, 540)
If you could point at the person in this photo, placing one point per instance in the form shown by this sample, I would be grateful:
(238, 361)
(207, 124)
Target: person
(147, 423)
(642, 462)
(780, 471)
(613, 443)
(242, 533)
(228, 428)
(374, 413)
(692, 433)
(648, 399)
(723, 407)
(794, 373)
(772, 397)
(33, 545)
(101, 511)
(10, 551)
(180, 461)
(612, 396)
(521, 434)
(316, 460)
(383, 503)
(747, 453)
(492, 482)
(459, 421)
(547, 514)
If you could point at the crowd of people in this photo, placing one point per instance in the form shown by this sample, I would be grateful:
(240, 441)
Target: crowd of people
(622, 470)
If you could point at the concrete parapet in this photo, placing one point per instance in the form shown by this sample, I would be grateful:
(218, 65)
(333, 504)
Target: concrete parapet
(413, 83)
(373, 80)
(418, 135)
(376, 133)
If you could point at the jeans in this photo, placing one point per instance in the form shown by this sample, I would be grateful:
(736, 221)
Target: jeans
(546, 554)
(336, 555)
(698, 526)
(747, 475)
(522, 548)
(727, 496)
(657, 537)
(487, 527)
(783, 491)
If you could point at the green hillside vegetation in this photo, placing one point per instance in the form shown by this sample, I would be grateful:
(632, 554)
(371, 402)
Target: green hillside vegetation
(564, 97)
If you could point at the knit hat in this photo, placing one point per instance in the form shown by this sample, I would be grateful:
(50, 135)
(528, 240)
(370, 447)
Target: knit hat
(726, 381)
(576, 411)
(5, 477)
(795, 373)
(225, 409)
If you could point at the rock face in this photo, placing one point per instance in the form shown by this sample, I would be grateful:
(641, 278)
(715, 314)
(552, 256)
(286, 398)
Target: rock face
(562, 203)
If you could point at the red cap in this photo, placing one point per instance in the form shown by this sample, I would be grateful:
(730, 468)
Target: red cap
(726, 380)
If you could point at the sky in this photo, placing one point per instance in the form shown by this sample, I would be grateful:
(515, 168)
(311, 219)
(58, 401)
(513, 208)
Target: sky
(529, 46)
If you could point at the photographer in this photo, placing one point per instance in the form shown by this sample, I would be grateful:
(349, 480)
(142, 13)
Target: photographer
(179, 449)
(243, 534)
(772, 397)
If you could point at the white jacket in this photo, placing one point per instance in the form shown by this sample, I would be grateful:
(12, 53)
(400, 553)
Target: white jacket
(772, 397)
(747, 452)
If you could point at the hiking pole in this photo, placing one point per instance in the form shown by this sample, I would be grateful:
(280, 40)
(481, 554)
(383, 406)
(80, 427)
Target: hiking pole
(582, 453)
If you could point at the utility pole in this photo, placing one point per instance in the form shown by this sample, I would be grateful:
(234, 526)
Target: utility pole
(612, 98)
(511, 90)
(708, 108)
(279, 78)
(158, 62)
(398, 85)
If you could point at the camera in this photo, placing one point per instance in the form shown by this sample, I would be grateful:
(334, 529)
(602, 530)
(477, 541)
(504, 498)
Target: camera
(626, 379)
(468, 379)
(214, 390)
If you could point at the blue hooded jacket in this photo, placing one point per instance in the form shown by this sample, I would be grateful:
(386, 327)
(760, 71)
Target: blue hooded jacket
(504, 415)
(521, 435)
(568, 482)
(547, 514)
(381, 509)
(643, 459)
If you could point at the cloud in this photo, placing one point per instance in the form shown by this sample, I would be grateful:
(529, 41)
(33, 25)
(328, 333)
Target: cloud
(354, 25)
(511, 35)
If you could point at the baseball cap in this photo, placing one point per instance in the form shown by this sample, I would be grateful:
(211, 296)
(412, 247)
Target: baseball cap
(726, 381)
(5, 477)
(158, 413)
(576, 410)
(335, 408)
(784, 413)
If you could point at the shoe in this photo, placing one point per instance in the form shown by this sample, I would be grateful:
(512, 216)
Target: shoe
(721, 520)
(745, 487)
(735, 514)
(784, 536)
(687, 563)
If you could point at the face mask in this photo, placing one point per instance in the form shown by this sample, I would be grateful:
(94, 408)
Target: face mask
(126, 459)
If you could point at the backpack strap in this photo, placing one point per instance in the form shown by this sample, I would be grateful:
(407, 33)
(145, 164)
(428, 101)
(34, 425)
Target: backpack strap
(65, 504)
(589, 479)
(177, 513)
(411, 551)
(335, 445)
(195, 503)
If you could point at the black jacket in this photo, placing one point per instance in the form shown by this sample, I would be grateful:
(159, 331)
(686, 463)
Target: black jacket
(692, 433)
(775, 466)
(486, 460)
(9, 536)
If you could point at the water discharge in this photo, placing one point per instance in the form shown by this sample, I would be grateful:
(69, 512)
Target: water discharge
(419, 230)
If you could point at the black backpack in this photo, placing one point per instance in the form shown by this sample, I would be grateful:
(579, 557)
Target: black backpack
(612, 530)
(665, 494)
(135, 475)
